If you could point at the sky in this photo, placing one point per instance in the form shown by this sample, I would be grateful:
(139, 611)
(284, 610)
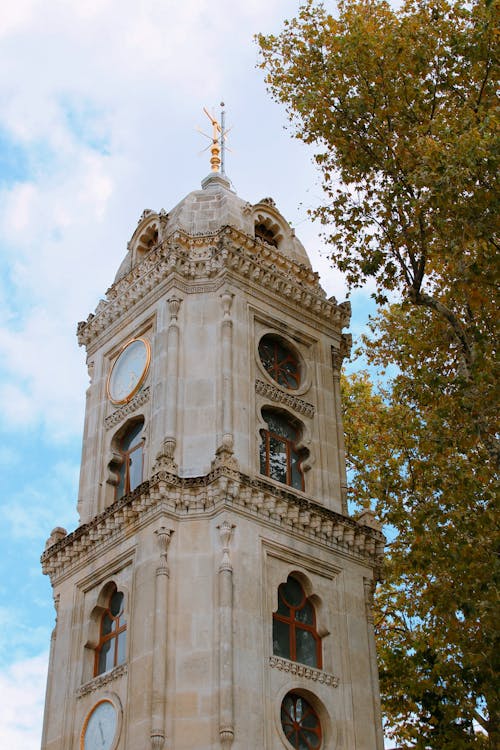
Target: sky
(100, 102)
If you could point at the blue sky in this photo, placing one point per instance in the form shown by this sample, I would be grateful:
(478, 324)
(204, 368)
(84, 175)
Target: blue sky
(99, 105)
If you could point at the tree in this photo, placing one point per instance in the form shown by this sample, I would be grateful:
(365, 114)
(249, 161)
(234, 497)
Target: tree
(400, 105)
(437, 610)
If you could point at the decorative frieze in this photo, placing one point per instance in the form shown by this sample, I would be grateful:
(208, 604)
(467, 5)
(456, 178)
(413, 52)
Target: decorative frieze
(118, 415)
(102, 680)
(302, 670)
(221, 488)
(276, 394)
(200, 258)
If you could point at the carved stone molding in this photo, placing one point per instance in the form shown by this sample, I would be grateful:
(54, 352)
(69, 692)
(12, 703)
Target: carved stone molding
(222, 488)
(224, 457)
(157, 739)
(276, 394)
(119, 414)
(165, 457)
(163, 535)
(302, 670)
(200, 258)
(225, 532)
(103, 679)
(174, 304)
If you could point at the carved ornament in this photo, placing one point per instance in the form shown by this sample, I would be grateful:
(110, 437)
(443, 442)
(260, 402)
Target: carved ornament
(101, 680)
(276, 394)
(268, 202)
(225, 532)
(302, 670)
(222, 489)
(118, 415)
(195, 259)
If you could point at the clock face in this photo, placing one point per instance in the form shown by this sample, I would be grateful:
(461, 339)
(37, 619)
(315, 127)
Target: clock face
(129, 371)
(100, 727)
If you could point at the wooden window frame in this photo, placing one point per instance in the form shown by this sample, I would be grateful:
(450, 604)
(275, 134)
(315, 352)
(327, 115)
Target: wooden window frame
(125, 456)
(114, 634)
(296, 726)
(294, 625)
(126, 464)
(277, 366)
(289, 446)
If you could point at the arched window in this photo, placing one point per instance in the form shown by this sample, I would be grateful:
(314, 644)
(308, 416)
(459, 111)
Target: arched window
(300, 723)
(263, 232)
(279, 457)
(130, 449)
(294, 626)
(110, 651)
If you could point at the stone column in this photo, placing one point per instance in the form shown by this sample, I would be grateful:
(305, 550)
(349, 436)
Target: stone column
(226, 717)
(159, 677)
(377, 711)
(165, 457)
(338, 357)
(226, 446)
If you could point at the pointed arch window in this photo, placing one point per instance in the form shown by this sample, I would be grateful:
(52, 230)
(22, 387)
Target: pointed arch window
(279, 457)
(130, 449)
(295, 636)
(110, 651)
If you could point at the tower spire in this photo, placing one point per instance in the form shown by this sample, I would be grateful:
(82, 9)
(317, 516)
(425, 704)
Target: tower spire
(222, 139)
(215, 160)
(218, 137)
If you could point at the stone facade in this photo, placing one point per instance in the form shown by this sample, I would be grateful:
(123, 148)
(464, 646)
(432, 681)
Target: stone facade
(200, 547)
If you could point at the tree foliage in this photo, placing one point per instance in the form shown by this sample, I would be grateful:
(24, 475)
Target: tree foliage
(437, 610)
(401, 107)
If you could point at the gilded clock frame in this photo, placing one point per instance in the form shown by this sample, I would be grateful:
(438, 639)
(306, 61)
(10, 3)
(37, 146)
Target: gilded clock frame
(116, 703)
(141, 380)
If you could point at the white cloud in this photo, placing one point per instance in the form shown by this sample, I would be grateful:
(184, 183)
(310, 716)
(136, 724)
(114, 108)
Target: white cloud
(26, 515)
(105, 103)
(22, 687)
(44, 377)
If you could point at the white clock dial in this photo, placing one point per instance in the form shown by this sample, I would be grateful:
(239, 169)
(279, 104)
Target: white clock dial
(129, 371)
(100, 727)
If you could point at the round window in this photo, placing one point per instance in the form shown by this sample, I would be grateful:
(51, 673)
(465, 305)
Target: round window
(280, 361)
(300, 723)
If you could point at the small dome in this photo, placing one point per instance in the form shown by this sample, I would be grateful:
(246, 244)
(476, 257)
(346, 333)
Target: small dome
(206, 211)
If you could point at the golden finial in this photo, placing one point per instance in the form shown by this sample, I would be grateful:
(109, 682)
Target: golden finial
(217, 147)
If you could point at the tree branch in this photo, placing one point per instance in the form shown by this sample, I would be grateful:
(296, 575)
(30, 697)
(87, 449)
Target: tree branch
(417, 297)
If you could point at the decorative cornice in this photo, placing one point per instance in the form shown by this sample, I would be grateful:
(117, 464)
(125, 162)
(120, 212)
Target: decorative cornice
(222, 488)
(118, 415)
(276, 394)
(302, 670)
(103, 679)
(201, 258)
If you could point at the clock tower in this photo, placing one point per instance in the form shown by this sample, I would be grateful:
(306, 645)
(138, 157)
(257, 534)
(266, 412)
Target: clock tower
(216, 593)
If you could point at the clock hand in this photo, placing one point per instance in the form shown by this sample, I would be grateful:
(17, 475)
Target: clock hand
(103, 739)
